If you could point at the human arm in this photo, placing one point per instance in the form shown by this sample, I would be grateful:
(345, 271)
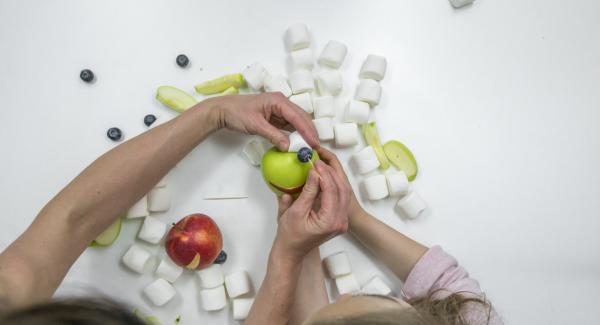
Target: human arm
(33, 266)
(311, 294)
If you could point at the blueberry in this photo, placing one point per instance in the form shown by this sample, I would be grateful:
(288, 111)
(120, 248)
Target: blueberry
(149, 119)
(305, 154)
(114, 134)
(86, 75)
(182, 60)
(221, 258)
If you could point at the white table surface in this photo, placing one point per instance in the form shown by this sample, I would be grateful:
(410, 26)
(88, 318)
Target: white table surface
(499, 102)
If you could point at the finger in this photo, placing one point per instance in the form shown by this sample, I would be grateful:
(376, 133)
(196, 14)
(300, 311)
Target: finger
(285, 201)
(277, 137)
(310, 191)
(331, 159)
(300, 120)
(329, 190)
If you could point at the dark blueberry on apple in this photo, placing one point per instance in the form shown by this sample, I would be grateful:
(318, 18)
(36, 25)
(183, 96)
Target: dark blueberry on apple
(305, 154)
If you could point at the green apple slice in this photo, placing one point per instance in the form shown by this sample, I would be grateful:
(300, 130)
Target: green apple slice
(230, 91)
(109, 235)
(371, 135)
(221, 84)
(402, 158)
(174, 98)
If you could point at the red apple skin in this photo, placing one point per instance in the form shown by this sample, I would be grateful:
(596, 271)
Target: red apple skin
(194, 242)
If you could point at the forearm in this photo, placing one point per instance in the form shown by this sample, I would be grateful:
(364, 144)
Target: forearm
(275, 298)
(311, 294)
(398, 252)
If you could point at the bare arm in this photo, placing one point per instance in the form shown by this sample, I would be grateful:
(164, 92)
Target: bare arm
(311, 294)
(33, 266)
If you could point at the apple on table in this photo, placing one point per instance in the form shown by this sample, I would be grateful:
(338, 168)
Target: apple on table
(194, 242)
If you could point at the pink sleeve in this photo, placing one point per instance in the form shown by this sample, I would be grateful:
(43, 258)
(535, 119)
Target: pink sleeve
(438, 270)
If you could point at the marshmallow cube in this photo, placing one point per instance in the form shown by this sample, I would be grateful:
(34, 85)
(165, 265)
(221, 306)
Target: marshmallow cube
(211, 277)
(213, 299)
(368, 91)
(411, 205)
(324, 128)
(297, 37)
(357, 112)
(153, 230)
(159, 199)
(139, 209)
(304, 101)
(333, 54)
(324, 107)
(163, 181)
(136, 258)
(398, 183)
(301, 81)
(366, 160)
(237, 284)
(330, 82)
(373, 67)
(376, 187)
(346, 134)
(376, 286)
(301, 60)
(297, 142)
(168, 270)
(160, 292)
(460, 3)
(347, 284)
(254, 150)
(241, 308)
(274, 83)
(255, 75)
(338, 265)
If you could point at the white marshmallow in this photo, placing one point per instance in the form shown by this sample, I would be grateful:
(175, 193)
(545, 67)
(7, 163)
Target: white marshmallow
(136, 258)
(139, 209)
(159, 199)
(301, 81)
(346, 134)
(324, 107)
(376, 286)
(241, 308)
(254, 151)
(376, 187)
(324, 128)
(368, 91)
(274, 83)
(301, 60)
(211, 277)
(153, 230)
(411, 205)
(163, 181)
(357, 112)
(297, 37)
(373, 67)
(347, 284)
(160, 292)
(255, 75)
(168, 270)
(213, 299)
(337, 265)
(397, 182)
(330, 82)
(366, 160)
(304, 101)
(460, 3)
(237, 284)
(333, 54)
(297, 142)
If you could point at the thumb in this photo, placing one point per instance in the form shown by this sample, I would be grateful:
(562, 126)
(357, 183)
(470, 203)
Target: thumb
(277, 137)
(284, 203)
(310, 191)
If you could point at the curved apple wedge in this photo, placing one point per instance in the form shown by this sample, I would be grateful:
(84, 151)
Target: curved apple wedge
(175, 98)
(109, 235)
(402, 158)
(371, 135)
(221, 84)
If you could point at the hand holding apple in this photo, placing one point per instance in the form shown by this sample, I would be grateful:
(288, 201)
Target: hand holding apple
(284, 173)
(194, 242)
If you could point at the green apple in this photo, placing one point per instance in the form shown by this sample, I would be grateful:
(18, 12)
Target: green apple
(174, 98)
(402, 158)
(221, 84)
(109, 235)
(284, 173)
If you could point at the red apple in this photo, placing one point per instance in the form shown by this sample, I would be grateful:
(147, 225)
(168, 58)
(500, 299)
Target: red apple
(194, 242)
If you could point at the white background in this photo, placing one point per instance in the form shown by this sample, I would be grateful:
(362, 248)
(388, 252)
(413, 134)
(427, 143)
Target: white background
(499, 102)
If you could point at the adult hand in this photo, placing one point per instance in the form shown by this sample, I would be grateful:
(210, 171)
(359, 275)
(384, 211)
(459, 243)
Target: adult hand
(319, 213)
(266, 115)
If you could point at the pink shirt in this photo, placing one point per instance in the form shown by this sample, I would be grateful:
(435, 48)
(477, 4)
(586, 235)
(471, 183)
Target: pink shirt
(438, 270)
